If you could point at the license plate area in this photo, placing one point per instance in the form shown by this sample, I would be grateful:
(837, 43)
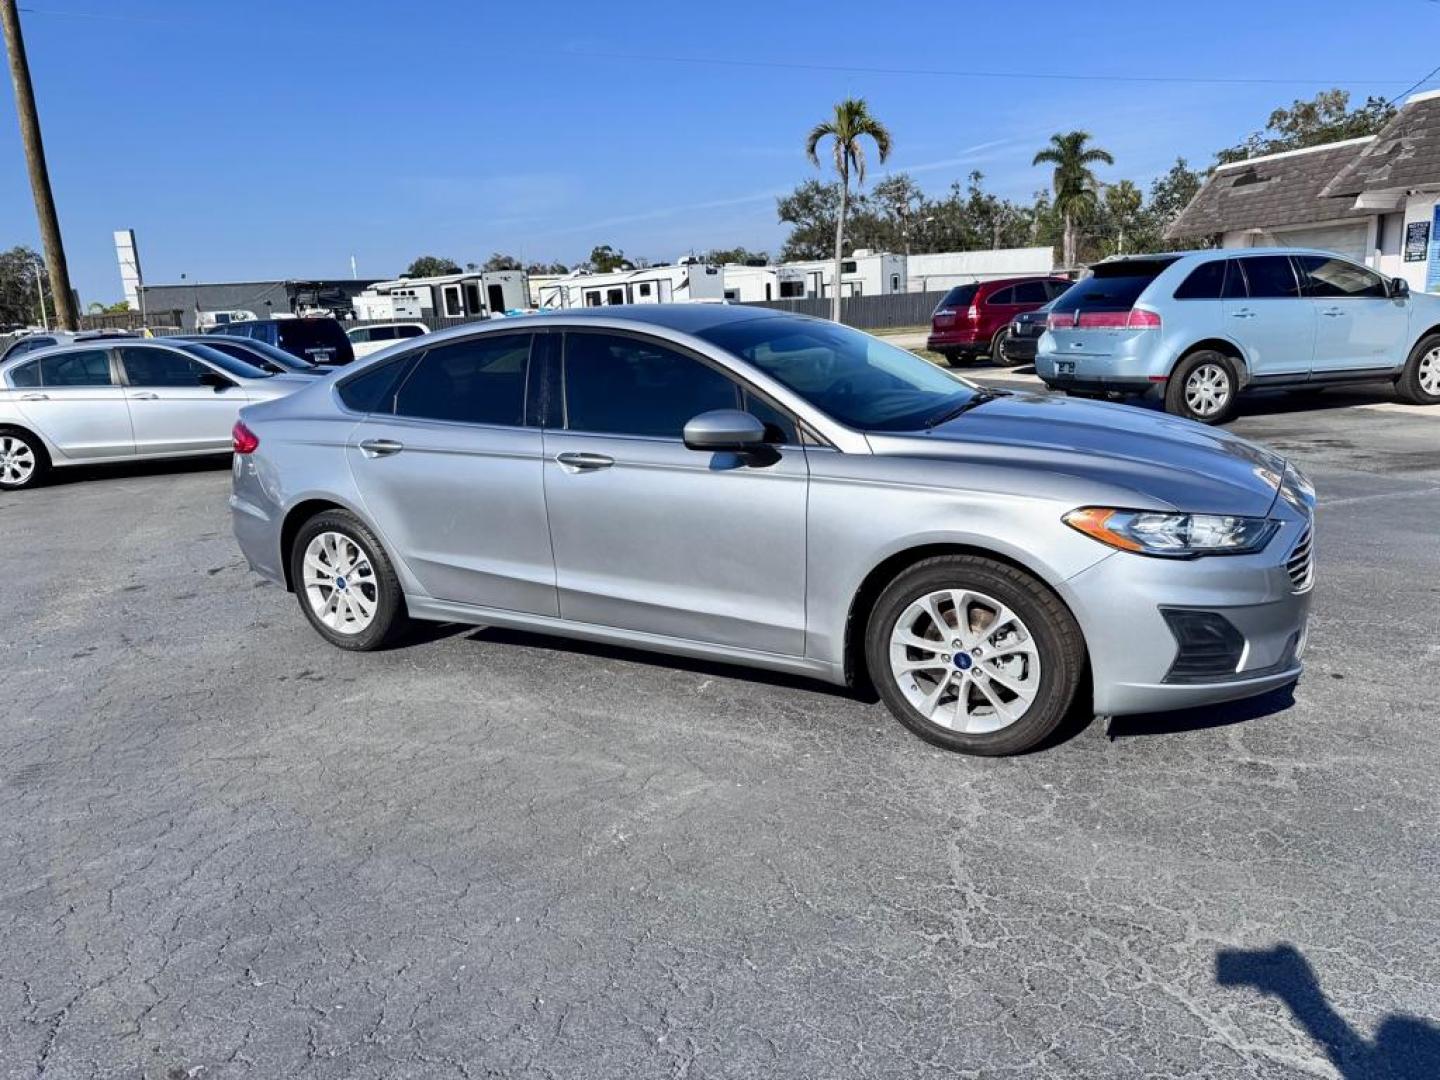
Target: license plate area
(1064, 367)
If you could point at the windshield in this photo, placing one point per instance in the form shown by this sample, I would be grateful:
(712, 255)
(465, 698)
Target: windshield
(227, 364)
(1111, 287)
(855, 378)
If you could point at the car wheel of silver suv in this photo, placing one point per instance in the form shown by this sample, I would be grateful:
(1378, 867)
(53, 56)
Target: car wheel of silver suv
(974, 655)
(345, 583)
(1203, 387)
(1419, 381)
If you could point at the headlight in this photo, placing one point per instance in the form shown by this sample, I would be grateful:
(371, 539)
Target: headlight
(1176, 536)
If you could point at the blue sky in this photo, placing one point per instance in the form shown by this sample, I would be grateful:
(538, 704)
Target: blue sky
(277, 139)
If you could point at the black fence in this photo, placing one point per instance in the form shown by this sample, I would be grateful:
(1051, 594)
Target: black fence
(866, 312)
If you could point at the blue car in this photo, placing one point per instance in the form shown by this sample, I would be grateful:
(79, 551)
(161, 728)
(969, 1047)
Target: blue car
(1195, 329)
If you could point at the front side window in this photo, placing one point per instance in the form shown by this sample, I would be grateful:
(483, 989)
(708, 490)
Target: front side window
(1271, 277)
(90, 367)
(26, 375)
(160, 367)
(860, 381)
(619, 385)
(477, 381)
(1328, 278)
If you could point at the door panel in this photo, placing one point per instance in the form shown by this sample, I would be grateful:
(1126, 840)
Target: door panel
(1359, 327)
(654, 537)
(77, 407)
(456, 487)
(171, 411)
(1273, 324)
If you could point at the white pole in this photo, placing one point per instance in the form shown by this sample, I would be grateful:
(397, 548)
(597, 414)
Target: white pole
(353, 274)
(40, 291)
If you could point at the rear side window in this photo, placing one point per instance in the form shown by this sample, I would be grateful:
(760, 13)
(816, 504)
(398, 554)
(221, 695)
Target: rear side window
(31, 344)
(26, 374)
(1031, 292)
(160, 367)
(1206, 282)
(1056, 288)
(1001, 296)
(1329, 278)
(409, 331)
(90, 367)
(479, 381)
(960, 296)
(373, 390)
(627, 386)
(1270, 277)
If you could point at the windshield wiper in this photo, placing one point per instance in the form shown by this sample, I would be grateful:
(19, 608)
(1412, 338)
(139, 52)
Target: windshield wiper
(980, 397)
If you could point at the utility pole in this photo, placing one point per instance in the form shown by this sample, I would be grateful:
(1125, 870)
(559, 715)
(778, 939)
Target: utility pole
(39, 174)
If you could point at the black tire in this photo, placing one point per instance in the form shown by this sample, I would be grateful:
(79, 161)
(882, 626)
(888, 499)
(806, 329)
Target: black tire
(1056, 635)
(1214, 363)
(1409, 385)
(997, 347)
(1004, 359)
(953, 358)
(22, 446)
(390, 620)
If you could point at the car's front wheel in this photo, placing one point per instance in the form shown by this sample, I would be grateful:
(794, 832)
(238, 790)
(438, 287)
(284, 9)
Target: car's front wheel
(997, 347)
(974, 655)
(346, 584)
(1419, 381)
(23, 463)
(1203, 387)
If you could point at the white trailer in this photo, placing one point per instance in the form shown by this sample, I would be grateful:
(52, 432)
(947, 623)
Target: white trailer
(687, 281)
(945, 269)
(863, 273)
(474, 294)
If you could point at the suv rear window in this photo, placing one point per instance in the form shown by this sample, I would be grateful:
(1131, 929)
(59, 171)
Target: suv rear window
(1111, 286)
(302, 336)
(960, 296)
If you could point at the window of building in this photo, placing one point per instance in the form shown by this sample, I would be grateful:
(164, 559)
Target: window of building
(790, 290)
(473, 303)
(592, 298)
(627, 386)
(451, 306)
(848, 266)
(732, 294)
(644, 288)
(478, 381)
(894, 283)
(614, 296)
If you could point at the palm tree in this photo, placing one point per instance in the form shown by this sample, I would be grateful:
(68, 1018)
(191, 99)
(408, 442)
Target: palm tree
(1075, 185)
(851, 122)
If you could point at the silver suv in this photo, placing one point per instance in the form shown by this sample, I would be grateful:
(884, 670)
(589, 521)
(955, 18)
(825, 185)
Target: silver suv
(783, 492)
(1196, 329)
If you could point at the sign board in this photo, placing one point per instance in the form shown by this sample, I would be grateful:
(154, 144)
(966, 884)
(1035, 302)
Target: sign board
(1417, 241)
(1432, 268)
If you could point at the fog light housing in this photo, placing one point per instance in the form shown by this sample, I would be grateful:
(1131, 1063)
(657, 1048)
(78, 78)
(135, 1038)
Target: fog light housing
(1210, 648)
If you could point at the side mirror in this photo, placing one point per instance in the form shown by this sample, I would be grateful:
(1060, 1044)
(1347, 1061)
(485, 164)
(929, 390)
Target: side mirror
(216, 380)
(725, 429)
(1399, 288)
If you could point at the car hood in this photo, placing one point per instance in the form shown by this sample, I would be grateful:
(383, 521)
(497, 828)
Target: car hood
(1162, 458)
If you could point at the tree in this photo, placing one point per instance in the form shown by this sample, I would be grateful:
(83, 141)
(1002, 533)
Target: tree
(737, 255)
(20, 285)
(547, 268)
(117, 308)
(1123, 203)
(1074, 184)
(1325, 118)
(604, 259)
(810, 211)
(501, 261)
(1170, 194)
(431, 266)
(851, 123)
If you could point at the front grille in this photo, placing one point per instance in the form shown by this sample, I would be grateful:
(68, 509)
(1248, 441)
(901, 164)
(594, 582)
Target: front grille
(1301, 564)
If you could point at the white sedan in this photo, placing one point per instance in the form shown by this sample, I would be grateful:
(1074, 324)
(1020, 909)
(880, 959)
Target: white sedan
(376, 336)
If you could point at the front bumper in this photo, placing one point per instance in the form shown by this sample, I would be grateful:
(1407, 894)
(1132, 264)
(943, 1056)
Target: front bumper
(1133, 650)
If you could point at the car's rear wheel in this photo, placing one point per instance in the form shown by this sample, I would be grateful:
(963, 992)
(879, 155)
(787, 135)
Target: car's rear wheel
(1419, 381)
(1203, 387)
(997, 347)
(953, 358)
(23, 461)
(974, 655)
(346, 584)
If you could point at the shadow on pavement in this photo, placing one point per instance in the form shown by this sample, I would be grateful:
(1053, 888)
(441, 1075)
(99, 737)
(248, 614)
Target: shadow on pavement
(1404, 1047)
(1205, 717)
(126, 470)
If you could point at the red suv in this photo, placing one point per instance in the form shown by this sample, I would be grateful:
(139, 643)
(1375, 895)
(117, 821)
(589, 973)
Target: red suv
(974, 319)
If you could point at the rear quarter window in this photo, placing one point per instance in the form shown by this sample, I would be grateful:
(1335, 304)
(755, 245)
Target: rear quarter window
(1205, 282)
(960, 296)
(373, 390)
(26, 374)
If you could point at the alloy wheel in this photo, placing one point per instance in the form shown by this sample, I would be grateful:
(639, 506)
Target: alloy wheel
(340, 583)
(1207, 390)
(1429, 373)
(17, 460)
(965, 661)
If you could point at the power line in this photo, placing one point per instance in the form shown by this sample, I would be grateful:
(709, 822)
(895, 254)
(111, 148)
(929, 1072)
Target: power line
(1068, 76)
(1418, 83)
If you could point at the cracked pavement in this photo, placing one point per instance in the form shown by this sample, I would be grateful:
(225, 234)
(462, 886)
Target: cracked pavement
(229, 850)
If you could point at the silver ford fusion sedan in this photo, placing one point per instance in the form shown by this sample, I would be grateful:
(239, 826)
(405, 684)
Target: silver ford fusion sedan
(121, 399)
(783, 492)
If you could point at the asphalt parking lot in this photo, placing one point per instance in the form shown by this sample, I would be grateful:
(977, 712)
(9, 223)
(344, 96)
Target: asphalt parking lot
(230, 850)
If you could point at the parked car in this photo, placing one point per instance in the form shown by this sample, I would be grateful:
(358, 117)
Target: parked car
(103, 400)
(257, 354)
(1196, 329)
(376, 336)
(973, 320)
(1023, 337)
(320, 340)
(785, 492)
(50, 338)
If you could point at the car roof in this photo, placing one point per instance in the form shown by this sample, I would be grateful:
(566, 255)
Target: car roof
(1021, 279)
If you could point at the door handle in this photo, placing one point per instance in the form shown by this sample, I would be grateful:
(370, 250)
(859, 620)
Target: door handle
(374, 448)
(585, 461)
(144, 397)
(1333, 312)
(34, 397)
(1243, 313)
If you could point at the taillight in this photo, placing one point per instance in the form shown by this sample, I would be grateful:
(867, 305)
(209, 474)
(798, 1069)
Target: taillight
(972, 313)
(243, 440)
(1134, 319)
